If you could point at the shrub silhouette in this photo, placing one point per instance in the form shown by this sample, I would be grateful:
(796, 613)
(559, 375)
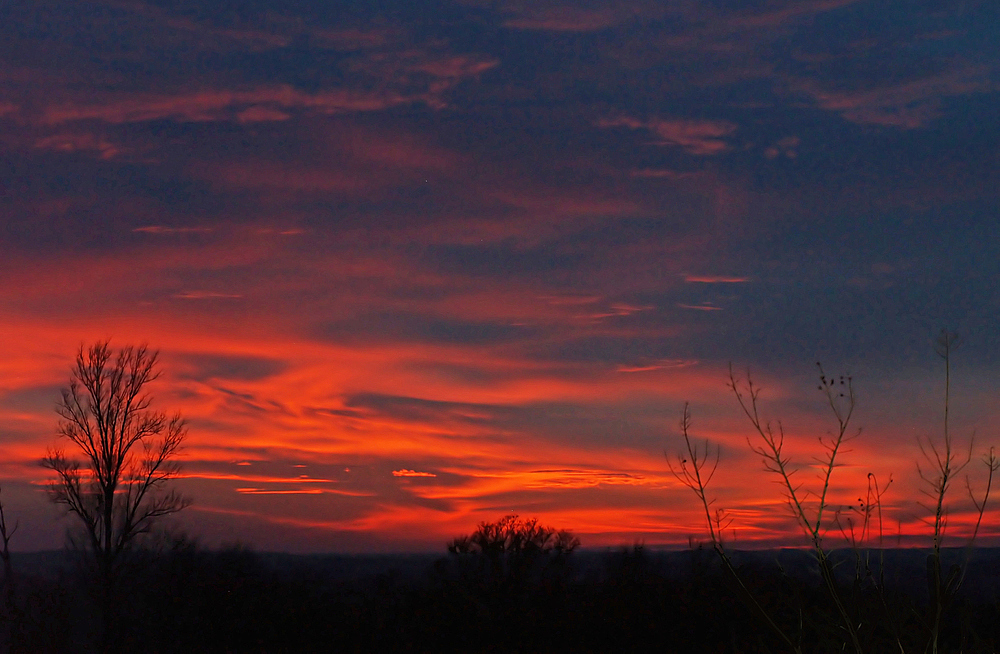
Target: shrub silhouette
(511, 554)
(514, 537)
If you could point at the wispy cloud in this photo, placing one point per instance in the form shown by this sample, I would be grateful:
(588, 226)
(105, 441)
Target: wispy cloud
(204, 295)
(578, 478)
(714, 279)
(695, 136)
(77, 142)
(782, 14)
(663, 173)
(206, 34)
(161, 229)
(663, 364)
(909, 104)
(411, 473)
(564, 18)
(700, 307)
(264, 103)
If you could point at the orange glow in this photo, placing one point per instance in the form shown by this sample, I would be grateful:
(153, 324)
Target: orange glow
(456, 453)
(418, 281)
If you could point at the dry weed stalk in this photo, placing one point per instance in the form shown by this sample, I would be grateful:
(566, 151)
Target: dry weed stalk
(943, 462)
(841, 400)
(695, 469)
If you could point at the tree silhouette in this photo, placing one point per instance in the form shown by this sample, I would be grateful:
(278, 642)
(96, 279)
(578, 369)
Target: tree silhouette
(516, 537)
(128, 451)
(512, 554)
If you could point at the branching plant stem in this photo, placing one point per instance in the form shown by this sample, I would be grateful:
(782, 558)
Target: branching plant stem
(695, 469)
(840, 397)
(943, 462)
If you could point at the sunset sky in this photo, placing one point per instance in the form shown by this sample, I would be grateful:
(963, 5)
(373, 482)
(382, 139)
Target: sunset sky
(419, 265)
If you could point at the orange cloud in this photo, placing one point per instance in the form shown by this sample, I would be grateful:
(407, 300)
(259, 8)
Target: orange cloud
(411, 473)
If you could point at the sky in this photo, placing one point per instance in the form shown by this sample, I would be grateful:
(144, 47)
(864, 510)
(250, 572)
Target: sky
(412, 265)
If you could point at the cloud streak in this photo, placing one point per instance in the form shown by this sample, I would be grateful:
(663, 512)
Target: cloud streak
(697, 137)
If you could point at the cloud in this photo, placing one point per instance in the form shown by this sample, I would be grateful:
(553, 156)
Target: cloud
(908, 105)
(263, 103)
(412, 327)
(663, 173)
(786, 146)
(564, 18)
(454, 66)
(621, 310)
(161, 229)
(294, 177)
(411, 473)
(782, 14)
(299, 491)
(333, 158)
(577, 478)
(219, 366)
(352, 38)
(259, 114)
(205, 34)
(570, 300)
(415, 409)
(698, 137)
(700, 307)
(205, 295)
(714, 279)
(79, 142)
(663, 364)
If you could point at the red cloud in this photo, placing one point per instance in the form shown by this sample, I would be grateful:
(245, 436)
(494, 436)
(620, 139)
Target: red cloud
(220, 104)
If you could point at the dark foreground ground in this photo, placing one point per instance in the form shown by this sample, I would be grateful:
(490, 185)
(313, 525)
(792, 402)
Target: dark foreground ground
(184, 599)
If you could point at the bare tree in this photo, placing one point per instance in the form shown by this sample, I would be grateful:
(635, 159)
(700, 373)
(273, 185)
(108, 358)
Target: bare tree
(128, 451)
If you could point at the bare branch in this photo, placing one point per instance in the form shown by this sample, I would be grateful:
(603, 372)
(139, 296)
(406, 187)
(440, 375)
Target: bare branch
(127, 450)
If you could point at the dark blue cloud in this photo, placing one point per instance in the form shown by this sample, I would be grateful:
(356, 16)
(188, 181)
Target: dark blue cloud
(418, 328)
(205, 366)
